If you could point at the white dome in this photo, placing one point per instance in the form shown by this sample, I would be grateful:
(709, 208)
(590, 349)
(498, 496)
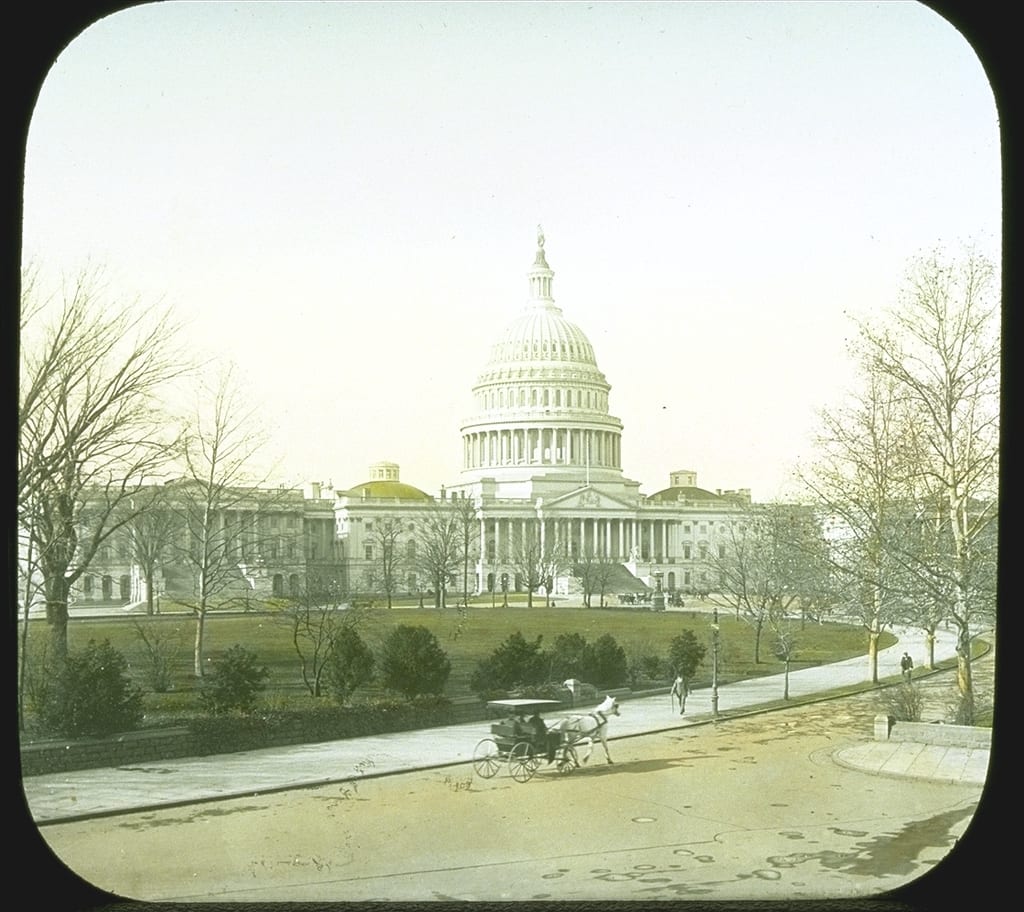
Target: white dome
(543, 335)
(541, 343)
(541, 402)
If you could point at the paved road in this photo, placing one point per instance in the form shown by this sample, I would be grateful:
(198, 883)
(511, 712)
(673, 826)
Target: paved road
(88, 793)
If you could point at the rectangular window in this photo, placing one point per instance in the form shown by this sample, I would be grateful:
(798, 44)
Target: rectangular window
(686, 552)
(369, 552)
(721, 551)
(686, 528)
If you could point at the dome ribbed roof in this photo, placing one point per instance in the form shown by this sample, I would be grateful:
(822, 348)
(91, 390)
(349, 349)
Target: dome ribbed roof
(543, 334)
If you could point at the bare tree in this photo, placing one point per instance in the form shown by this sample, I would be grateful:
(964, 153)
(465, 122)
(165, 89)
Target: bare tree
(595, 572)
(468, 539)
(536, 560)
(91, 430)
(863, 481)
(940, 347)
(160, 647)
(384, 576)
(152, 533)
(766, 568)
(437, 552)
(315, 618)
(218, 503)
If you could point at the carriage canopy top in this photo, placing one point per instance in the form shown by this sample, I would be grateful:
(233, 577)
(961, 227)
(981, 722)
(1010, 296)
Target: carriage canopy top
(525, 706)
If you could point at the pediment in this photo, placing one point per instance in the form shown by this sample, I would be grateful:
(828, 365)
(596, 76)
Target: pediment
(587, 498)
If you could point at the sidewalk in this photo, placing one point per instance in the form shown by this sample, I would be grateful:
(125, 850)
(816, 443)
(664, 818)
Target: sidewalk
(96, 792)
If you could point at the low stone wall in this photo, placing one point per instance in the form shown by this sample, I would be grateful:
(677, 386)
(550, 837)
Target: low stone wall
(61, 756)
(889, 729)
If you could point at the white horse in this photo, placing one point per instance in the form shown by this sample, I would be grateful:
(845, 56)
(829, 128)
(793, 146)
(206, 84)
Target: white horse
(589, 727)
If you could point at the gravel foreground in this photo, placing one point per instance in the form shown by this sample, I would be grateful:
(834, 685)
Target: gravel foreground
(749, 808)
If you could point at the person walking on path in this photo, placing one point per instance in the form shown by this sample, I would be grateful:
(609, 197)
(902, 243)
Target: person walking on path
(680, 691)
(907, 667)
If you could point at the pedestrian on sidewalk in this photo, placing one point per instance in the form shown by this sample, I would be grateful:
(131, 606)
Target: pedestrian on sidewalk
(907, 667)
(680, 691)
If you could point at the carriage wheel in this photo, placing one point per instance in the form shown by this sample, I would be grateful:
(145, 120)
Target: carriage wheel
(522, 761)
(486, 758)
(567, 761)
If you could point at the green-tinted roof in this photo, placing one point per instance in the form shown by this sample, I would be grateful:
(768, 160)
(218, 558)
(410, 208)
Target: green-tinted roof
(388, 489)
(686, 493)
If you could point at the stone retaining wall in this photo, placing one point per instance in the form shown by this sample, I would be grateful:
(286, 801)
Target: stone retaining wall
(889, 729)
(61, 756)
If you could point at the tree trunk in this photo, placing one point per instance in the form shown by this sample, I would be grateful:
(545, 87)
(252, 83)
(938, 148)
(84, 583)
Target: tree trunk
(149, 592)
(198, 656)
(57, 616)
(964, 673)
(873, 635)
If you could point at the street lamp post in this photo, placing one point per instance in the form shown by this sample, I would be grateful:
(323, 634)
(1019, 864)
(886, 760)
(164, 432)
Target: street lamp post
(714, 665)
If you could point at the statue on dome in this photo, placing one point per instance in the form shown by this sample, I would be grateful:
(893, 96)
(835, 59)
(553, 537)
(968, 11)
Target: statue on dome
(540, 237)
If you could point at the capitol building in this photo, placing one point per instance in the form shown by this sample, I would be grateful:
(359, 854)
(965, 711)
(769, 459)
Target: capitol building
(542, 460)
(541, 463)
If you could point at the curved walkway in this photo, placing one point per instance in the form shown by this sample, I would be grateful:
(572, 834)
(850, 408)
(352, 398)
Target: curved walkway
(97, 792)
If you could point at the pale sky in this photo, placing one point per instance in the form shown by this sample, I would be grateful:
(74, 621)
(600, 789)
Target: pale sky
(342, 198)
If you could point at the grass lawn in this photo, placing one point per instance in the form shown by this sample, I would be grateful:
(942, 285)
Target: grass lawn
(467, 635)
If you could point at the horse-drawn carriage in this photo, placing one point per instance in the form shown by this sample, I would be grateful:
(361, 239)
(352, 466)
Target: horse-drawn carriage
(523, 745)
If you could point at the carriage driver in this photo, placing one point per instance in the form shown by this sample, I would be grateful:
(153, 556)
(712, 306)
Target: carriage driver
(550, 739)
(519, 725)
